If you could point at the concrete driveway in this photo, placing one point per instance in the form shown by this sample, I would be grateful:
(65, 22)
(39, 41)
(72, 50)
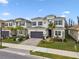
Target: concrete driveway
(32, 41)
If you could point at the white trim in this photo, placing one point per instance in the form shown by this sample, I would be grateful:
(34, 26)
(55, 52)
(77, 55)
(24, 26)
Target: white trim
(59, 35)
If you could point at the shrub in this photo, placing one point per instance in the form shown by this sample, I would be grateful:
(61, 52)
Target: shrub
(21, 38)
(57, 39)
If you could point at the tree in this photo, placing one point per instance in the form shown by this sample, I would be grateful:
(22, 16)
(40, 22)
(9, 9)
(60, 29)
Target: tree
(51, 26)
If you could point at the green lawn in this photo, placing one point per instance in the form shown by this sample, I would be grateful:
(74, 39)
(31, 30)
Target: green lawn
(52, 56)
(68, 45)
(2, 47)
(9, 41)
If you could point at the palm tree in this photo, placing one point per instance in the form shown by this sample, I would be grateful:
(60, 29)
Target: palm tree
(19, 28)
(51, 26)
(13, 31)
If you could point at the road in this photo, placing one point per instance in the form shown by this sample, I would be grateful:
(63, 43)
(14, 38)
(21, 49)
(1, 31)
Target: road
(6, 55)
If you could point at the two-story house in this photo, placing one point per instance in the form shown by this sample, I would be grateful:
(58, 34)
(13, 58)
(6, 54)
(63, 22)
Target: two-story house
(17, 24)
(40, 27)
(20, 22)
(3, 32)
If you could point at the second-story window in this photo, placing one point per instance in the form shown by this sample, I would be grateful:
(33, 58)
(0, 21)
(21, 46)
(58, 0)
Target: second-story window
(58, 22)
(39, 23)
(6, 24)
(10, 24)
(22, 23)
(34, 23)
(16, 23)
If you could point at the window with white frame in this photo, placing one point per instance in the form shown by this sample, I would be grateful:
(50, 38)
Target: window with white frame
(22, 23)
(34, 23)
(40, 23)
(6, 24)
(58, 22)
(58, 33)
(10, 24)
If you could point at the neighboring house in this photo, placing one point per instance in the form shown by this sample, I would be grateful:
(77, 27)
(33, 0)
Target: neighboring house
(22, 22)
(3, 32)
(74, 32)
(40, 27)
(9, 23)
(19, 25)
(25, 24)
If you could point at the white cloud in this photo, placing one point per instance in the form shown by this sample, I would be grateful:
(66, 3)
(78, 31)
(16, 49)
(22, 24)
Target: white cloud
(63, 16)
(27, 18)
(66, 12)
(5, 13)
(3, 1)
(40, 10)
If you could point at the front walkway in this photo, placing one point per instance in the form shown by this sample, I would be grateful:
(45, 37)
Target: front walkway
(32, 41)
(41, 49)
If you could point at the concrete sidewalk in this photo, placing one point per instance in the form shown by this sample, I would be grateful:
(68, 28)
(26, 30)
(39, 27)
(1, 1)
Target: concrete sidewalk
(21, 52)
(41, 49)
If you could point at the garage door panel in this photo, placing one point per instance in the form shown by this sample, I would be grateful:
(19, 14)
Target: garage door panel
(36, 34)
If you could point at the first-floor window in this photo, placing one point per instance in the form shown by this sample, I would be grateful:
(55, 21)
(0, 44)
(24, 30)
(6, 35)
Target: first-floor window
(58, 33)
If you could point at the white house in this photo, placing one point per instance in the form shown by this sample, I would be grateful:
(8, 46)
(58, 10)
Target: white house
(19, 22)
(40, 27)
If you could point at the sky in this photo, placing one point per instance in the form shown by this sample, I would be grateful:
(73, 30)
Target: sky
(11, 9)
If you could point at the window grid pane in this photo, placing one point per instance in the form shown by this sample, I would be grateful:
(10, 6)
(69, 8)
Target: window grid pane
(39, 23)
(34, 23)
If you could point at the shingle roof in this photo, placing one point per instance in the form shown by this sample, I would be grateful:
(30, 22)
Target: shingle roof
(1, 21)
(37, 18)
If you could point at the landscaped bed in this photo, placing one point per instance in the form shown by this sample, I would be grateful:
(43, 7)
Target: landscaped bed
(13, 40)
(52, 56)
(9, 40)
(69, 45)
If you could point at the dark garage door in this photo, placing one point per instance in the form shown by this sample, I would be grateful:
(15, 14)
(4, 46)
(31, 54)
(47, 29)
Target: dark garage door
(36, 34)
(5, 34)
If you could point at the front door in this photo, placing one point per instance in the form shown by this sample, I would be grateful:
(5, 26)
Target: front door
(49, 32)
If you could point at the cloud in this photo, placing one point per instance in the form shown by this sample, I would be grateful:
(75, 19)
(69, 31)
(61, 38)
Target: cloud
(3, 1)
(66, 12)
(27, 18)
(63, 16)
(40, 10)
(5, 13)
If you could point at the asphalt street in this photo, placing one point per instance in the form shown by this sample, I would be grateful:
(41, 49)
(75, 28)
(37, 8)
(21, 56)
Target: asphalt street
(6, 55)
